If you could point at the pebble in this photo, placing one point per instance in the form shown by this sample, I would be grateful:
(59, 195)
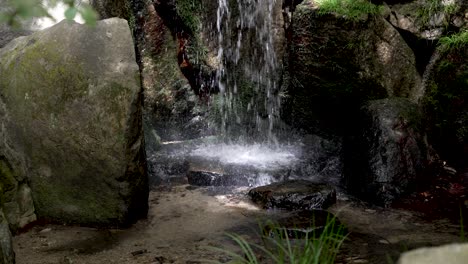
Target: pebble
(46, 230)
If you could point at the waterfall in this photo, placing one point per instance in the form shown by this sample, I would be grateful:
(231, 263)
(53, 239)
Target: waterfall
(427, 75)
(247, 76)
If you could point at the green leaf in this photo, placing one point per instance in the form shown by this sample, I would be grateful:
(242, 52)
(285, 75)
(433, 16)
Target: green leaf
(70, 13)
(89, 15)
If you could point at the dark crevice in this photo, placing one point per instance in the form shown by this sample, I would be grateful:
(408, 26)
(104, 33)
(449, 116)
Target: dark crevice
(422, 49)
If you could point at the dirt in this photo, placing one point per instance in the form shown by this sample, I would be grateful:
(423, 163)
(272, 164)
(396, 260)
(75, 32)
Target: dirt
(185, 223)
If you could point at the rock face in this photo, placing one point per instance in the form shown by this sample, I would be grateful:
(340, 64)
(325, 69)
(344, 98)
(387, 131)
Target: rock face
(427, 19)
(453, 254)
(335, 64)
(392, 152)
(70, 111)
(294, 195)
(7, 256)
(446, 105)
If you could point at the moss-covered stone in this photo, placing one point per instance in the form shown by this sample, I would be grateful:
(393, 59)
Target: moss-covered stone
(73, 101)
(7, 255)
(336, 64)
(446, 105)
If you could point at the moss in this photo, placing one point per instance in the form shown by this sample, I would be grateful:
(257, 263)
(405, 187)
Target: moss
(351, 9)
(455, 42)
(427, 9)
(38, 88)
(446, 105)
(8, 183)
(189, 12)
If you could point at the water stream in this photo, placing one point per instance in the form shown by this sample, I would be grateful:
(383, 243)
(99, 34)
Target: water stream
(247, 74)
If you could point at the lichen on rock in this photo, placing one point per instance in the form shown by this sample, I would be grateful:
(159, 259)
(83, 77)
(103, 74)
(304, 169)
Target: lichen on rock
(73, 98)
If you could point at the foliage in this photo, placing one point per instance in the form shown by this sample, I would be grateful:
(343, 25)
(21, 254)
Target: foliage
(22, 10)
(429, 9)
(352, 9)
(278, 247)
(189, 12)
(455, 41)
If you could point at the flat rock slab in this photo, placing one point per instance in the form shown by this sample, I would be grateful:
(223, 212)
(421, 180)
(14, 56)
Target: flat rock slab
(294, 195)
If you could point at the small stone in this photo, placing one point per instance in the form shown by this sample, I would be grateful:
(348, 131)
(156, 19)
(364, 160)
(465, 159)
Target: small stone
(139, 252)
(45, 230)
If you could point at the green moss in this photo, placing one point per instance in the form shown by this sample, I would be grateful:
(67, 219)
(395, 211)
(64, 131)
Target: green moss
(8, 183)
(48, 90)
(446, 105)
(189, 12)
(91, 205)
(427, 9)
(454, 42)
(351, 9)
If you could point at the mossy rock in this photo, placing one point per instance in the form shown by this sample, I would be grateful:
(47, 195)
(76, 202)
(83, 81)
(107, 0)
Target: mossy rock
(73, 100)
(446, 105)
(336, 64)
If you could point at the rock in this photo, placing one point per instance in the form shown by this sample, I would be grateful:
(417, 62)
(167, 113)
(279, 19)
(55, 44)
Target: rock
(336, 64)
(7, 255)
(392, 153)
(294, 195)
(425, 19)
(19, 209)
(445, 104)
(321, 159)
(212, 178)
(112, 8)
(70, 111)
(453, 254)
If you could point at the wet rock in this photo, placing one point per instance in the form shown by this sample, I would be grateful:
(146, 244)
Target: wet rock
(212, 178)
(294, 195)
(74, 131)
(321, 159)
(453, 254)
(7, 256)
(336, 64)
(392, 153)
(445, 104)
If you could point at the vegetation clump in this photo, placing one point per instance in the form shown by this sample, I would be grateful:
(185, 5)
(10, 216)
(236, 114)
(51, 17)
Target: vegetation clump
(352, 9)
(429, 9)
(454, 42)
(317, 247)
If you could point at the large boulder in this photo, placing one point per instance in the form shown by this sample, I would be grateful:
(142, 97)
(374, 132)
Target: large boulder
(71, 122)
(337, 63)
(7, 255)
(391, 153)
(453, 254)
(446, 104)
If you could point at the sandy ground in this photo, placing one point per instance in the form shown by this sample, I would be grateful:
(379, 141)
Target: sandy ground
(184, 223)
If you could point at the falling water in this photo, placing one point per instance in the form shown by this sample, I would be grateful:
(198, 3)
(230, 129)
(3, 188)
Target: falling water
(247, 75)
(427, 74)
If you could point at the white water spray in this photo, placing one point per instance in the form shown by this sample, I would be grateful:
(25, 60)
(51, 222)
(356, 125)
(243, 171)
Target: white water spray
(248, 65)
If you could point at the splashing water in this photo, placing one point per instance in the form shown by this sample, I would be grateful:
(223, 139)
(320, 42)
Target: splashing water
(256, 155)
